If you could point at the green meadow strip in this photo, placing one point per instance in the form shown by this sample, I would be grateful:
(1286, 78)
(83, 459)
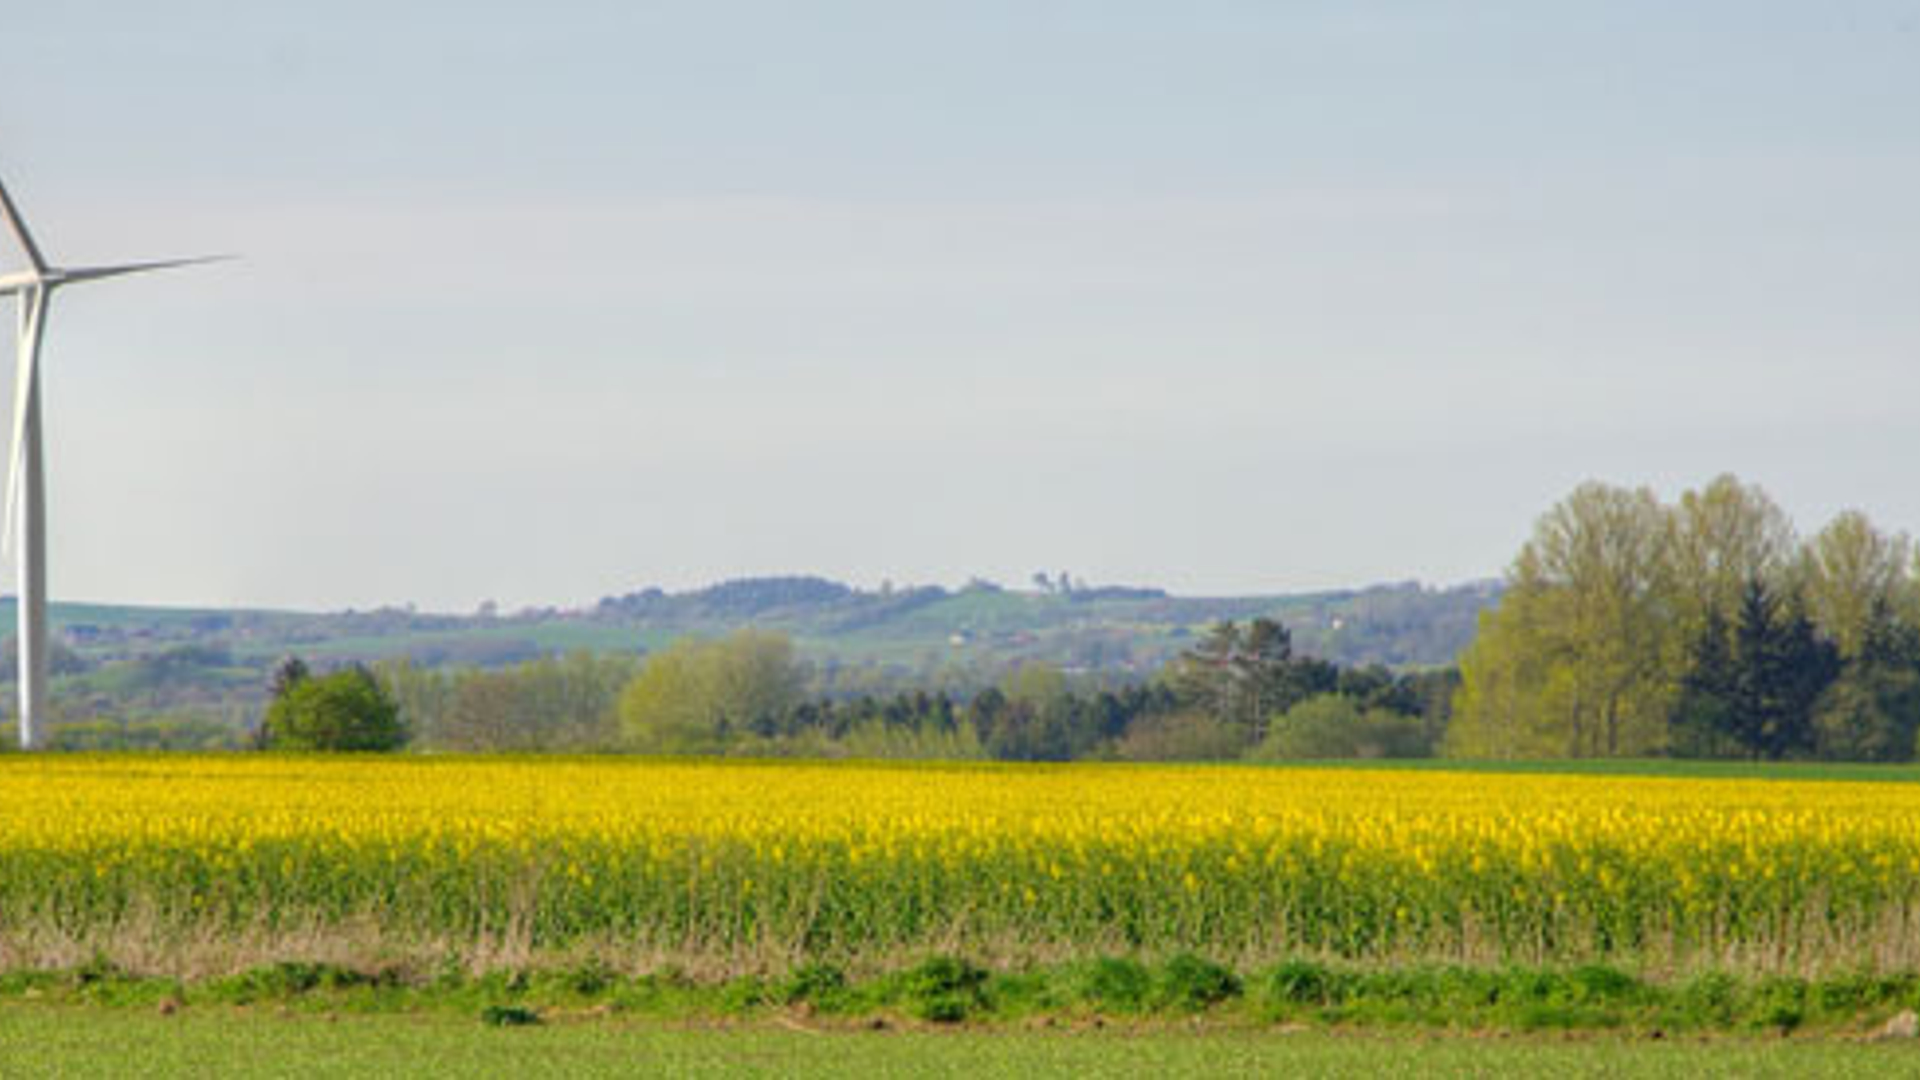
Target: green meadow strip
(944, 990)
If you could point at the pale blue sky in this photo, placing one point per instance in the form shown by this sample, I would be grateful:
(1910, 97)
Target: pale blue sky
(547, 301)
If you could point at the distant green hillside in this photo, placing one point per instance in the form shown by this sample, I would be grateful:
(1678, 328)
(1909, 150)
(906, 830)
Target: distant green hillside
(198, 675)
(1117, 629)
(203, 671)
(1108, 629)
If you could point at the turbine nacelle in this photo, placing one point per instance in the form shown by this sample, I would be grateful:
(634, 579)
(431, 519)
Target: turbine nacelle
(28, 280)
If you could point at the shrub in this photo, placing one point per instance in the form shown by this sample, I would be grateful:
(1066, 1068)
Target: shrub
(590, 978)
(1780, 1002)
(1335, 726)
(1302, 982)
(1181, 736)
(508, 1016)
(343, 711)
(1600, 983)
(1118, 984)
(1194, 982)
(943, 989)
(816, 983)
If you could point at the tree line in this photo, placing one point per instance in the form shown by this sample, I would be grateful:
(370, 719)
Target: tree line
(1241, 691)
(1702, 628)
(1707, 628)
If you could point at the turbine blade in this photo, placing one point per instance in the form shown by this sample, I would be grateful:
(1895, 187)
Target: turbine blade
(33, 322)
(96, 273)
(19, 229)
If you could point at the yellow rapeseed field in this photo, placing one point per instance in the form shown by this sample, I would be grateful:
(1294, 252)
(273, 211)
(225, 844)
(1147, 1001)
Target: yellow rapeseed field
(735, 859)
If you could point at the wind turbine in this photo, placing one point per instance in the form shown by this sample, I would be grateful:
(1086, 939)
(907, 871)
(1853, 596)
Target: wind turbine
(26, 479)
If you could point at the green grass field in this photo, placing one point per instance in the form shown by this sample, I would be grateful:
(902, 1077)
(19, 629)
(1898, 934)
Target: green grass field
(60, 1042)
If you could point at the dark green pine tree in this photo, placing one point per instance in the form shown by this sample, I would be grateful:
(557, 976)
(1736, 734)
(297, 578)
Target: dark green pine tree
(1781, 667)
(1262, 669)
(1207, 675)
(1810, 664)
(1872, 711)
(1703, 721)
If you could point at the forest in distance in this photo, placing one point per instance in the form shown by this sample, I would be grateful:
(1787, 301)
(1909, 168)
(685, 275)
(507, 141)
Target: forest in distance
(1626, 627)
(199, 679)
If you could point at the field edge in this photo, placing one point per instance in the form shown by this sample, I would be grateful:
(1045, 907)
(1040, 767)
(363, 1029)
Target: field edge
(1184, 992)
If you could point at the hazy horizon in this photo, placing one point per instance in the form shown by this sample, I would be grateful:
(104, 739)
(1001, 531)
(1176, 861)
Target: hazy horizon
(1029, 588)
(1229, 299)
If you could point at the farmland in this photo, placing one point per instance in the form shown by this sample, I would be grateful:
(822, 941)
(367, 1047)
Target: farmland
(185, 864)
(46, 1042)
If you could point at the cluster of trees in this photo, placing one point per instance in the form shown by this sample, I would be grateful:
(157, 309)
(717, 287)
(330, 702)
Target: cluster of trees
(551, 703)
(141, 733)
(1704, 628)
(1271, 702)
(1240, 691)
(342, 711)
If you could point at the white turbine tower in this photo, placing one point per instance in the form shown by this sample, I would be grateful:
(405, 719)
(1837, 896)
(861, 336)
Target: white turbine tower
(26, 480)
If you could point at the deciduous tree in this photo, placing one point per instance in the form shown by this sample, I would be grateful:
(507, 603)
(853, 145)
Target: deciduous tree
(345, 710)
